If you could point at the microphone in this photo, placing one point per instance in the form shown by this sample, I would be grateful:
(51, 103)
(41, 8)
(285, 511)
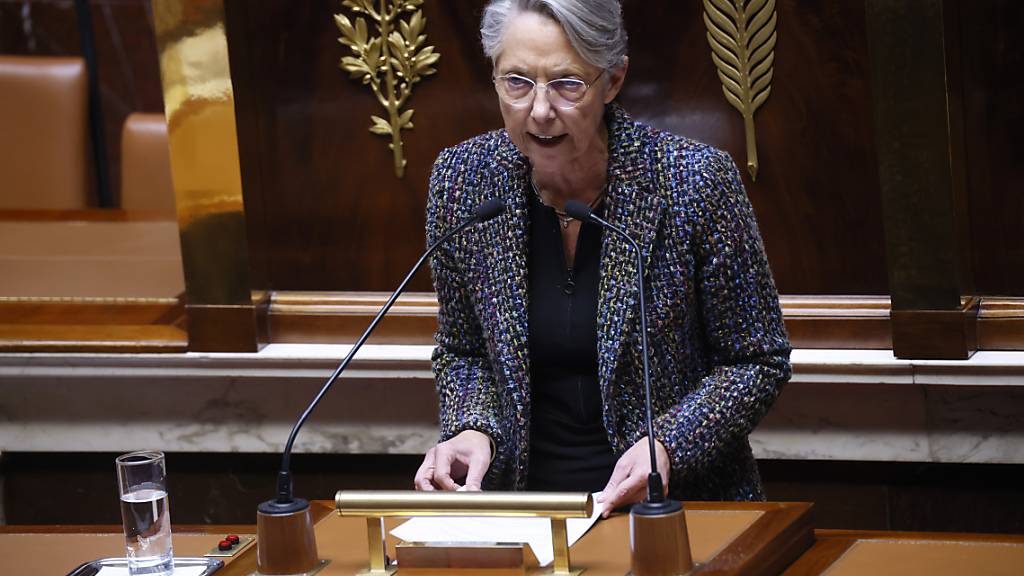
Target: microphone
(286, 517)
(660, 544)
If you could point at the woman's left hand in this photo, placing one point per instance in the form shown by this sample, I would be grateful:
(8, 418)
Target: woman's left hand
(628, 483)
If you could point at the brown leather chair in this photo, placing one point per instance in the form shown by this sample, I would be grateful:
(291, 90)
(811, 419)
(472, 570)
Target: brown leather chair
(45, 160)
(146, 165)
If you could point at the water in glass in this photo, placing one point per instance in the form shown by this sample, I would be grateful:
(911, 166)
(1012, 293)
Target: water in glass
(147, 531)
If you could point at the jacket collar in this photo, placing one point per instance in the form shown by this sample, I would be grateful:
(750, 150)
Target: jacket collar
(631, 204)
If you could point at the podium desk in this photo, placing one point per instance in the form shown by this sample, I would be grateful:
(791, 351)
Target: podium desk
(726, 538)
(849, 553)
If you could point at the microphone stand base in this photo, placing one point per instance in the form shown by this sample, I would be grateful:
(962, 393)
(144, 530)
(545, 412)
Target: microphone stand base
(659, 543)
(285, 542)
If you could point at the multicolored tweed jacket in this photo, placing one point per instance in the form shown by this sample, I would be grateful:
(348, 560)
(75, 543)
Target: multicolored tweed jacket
(719, 351)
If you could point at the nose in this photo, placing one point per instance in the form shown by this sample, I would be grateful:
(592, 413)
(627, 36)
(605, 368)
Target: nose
(541, 108)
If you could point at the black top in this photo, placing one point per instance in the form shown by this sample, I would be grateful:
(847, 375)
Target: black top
(569, 447)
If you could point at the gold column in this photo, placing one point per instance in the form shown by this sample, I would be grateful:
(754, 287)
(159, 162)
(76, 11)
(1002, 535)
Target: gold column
(200, 112)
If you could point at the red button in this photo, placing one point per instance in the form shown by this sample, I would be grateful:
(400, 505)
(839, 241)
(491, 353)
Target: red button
(232, 538)
(224, 545)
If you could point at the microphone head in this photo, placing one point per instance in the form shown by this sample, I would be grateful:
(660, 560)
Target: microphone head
(578, 210)
(489, 209)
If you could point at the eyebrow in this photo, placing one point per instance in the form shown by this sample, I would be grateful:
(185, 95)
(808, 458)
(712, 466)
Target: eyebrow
(556, 74)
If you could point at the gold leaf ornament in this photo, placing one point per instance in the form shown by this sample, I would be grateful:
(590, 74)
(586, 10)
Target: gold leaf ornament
(742, 36)
(390, 62)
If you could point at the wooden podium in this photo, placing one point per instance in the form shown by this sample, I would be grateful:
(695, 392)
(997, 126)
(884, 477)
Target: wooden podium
(726, 538)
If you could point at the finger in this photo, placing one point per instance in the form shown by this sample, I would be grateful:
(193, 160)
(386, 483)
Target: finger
(443, 468)
(619, 473)
(425, 472)
(627, 492)
(478, 464)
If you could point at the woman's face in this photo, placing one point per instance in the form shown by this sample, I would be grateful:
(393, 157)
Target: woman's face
(537, 48)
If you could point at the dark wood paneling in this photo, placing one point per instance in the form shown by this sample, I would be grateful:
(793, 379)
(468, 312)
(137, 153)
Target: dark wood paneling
(816, 195)
(332, 215)
(43, 27)
(993, 54)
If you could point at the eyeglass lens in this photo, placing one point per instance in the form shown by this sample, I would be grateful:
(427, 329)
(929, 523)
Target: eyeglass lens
(519, 90)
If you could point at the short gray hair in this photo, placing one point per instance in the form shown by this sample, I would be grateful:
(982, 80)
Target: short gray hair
(594, 27)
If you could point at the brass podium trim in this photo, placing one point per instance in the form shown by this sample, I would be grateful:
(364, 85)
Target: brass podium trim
(377, 505)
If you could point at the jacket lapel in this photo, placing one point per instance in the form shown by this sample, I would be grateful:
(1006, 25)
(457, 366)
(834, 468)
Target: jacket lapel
(635, 208)
(506, 249)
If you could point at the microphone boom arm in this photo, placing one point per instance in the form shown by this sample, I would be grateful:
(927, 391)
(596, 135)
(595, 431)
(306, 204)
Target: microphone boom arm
(284, 480)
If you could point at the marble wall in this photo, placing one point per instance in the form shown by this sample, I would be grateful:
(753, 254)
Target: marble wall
(840, 405)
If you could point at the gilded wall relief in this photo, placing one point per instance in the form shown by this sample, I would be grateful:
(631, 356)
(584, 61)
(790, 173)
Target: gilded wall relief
(390, 62)
(742, 38)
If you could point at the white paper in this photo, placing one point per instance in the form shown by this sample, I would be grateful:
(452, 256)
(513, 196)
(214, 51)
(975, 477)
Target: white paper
(178, 571)
(534, 531)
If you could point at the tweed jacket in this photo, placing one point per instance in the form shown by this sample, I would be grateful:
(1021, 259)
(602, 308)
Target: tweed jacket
(719, 351)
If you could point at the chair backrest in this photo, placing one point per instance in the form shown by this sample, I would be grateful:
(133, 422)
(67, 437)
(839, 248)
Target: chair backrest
(146, 165)
(44, 133)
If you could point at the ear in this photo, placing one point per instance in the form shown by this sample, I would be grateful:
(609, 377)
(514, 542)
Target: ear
(616, 76)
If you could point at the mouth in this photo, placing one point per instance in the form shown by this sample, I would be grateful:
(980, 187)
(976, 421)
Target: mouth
(547, 141)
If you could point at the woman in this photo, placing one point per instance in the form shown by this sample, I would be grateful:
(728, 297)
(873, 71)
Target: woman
(538, 363)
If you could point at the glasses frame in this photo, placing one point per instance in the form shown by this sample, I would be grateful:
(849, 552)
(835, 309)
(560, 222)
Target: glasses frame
(532, 94)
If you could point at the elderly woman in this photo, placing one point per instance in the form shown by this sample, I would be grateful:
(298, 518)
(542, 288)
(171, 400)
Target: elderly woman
(538, 361)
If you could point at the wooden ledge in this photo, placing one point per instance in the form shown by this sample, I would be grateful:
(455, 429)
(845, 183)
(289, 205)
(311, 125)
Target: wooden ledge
(819, 322)
(94, 325)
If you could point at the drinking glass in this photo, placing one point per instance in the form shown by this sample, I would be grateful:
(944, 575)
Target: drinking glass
(142, 482)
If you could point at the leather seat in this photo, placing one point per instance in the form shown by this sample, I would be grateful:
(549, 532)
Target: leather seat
(45, 160)
(146, 165)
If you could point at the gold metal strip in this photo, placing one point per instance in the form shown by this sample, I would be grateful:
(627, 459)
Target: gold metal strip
(405, 503)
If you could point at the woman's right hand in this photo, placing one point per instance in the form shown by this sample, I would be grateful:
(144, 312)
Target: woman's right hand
(466, 455)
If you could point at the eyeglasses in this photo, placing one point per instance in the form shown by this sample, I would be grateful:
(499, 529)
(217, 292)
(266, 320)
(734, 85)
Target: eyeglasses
(564, 93)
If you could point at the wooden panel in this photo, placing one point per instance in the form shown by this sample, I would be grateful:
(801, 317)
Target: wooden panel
(837, 321)
(817, 195)
(1001, 324)
(812, 321)
(302, 317)
(936, 334)
(993, 52)
(326, 211)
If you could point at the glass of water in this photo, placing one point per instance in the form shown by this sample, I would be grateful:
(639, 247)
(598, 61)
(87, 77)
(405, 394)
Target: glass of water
(142, 481)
